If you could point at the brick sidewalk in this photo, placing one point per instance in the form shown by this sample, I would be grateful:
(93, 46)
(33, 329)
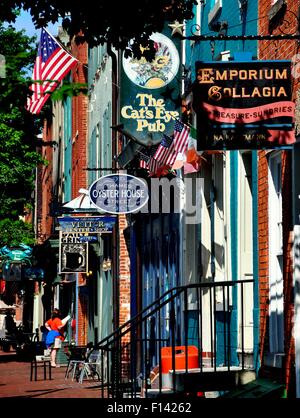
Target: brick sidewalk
(15, 382)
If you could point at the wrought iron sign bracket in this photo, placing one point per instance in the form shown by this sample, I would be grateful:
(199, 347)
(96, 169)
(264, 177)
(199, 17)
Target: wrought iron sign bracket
(242, 38)
(281, 18)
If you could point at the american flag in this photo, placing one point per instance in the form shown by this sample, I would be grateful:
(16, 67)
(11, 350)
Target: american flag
(166, 153)
(181, 136)
(51, 65)
(146, 158)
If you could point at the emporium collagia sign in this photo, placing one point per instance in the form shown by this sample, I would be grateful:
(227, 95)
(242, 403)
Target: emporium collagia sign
(244, 104)
(150, 93)
(119, 193)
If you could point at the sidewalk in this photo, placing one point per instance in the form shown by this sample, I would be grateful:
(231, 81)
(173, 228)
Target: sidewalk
(15, 382)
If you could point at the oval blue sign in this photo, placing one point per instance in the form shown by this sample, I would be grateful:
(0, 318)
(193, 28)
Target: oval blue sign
(119, 193)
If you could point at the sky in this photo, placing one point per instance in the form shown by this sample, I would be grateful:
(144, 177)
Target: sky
(24, 21)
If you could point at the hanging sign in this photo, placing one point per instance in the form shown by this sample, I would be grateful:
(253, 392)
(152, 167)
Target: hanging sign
(82, 225)
(73, 257)
(150, 91)
(242, 105)
(119, 193)
(19, 253)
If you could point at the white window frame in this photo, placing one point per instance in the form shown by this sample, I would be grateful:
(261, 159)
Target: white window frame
(276, 302)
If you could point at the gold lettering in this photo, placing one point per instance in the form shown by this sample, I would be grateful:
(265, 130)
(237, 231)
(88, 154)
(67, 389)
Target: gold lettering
(141, 124)
(221, 76)
(281, 75)
(252, 75)
(256, 92)
(232, 74)
(205, 76)
(282, 92)
(124, 112)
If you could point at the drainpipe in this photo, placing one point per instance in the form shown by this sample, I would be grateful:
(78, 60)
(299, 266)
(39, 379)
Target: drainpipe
(115, 237)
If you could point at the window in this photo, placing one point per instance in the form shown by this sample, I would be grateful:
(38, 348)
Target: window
(276, 324)
(106, 139)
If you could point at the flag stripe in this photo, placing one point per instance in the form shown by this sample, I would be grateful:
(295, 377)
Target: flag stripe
(54, 59)
(181, 136)
(59, 71)
(38, 104)
(51, 66)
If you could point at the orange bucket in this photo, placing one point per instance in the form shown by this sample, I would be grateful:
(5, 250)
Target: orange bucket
(180, 358)
(180, 361)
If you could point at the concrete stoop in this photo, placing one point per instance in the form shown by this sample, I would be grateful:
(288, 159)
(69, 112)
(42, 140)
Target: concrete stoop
(258, 388)
(212, 382)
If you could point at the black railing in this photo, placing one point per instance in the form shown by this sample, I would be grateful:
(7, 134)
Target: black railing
(188, 331)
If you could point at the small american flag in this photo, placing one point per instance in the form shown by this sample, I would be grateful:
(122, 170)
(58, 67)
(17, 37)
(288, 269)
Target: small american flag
(181, 136)
(144, 164)
(51, 65)
(166, 153)
(144, 160)
(146, 157)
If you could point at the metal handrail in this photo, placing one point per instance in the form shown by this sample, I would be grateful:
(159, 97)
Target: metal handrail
(177, 288)
(125, 358)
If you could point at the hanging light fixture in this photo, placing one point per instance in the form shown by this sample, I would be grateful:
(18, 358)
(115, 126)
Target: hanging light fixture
(106, 264)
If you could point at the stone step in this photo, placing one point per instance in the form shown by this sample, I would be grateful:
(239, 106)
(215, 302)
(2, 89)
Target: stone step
(210, 379)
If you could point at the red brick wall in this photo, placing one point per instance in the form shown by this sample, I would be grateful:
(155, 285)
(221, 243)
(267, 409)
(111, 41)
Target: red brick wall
(82, 312)
(263, 249)
(270, 50)
(79, 121)
(124, 273)
(79, 162)
(277, 49)
(288, 291)
(45, 189)
(124, 264)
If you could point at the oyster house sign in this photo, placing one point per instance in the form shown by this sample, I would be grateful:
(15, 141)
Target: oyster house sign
(150, 94)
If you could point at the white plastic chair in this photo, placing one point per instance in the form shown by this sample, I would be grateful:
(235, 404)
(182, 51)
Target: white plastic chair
(91, 367)
(74, 365)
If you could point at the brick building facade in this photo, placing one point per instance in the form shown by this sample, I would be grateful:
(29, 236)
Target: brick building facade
(273, 18)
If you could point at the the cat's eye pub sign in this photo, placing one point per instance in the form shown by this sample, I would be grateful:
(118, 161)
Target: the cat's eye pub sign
(150, 91)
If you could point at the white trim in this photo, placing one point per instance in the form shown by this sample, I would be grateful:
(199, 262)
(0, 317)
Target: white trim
(214, 11)
(245, 249)
(276, 303)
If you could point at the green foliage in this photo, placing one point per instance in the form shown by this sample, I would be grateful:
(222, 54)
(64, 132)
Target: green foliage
(104, 21)
(13, 233)
(18, 128)
(69, 89)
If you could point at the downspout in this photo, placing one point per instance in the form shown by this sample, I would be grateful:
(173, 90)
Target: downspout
(256, 314)
(115, 237)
